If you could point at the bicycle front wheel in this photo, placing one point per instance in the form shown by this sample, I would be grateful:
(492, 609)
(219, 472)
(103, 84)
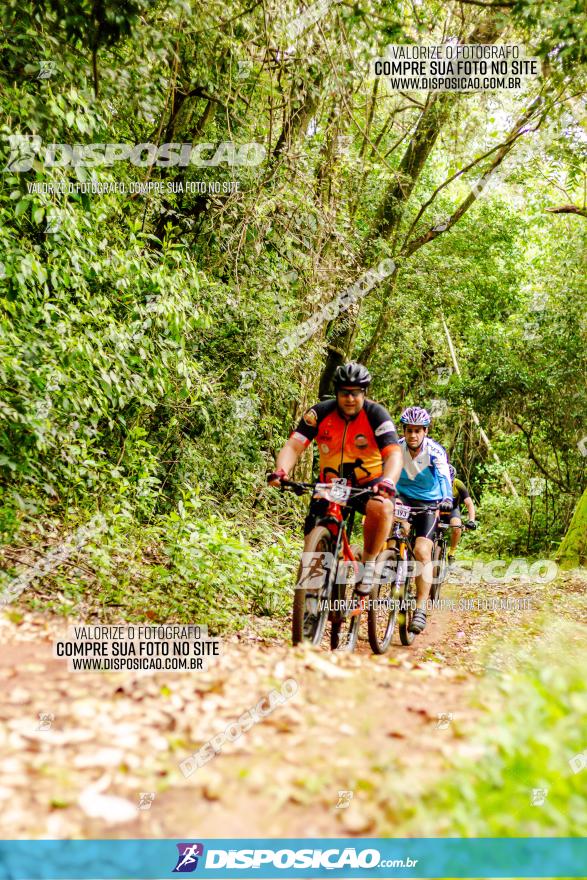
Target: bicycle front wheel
(383, 602)
(313, 588)
(439, 570)
(346, 621)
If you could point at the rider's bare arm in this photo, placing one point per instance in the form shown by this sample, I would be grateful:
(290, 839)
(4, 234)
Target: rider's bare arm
(288, 456)
(470, 508)
(393, 463)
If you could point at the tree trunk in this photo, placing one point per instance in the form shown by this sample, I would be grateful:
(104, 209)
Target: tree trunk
(341, 332)
(339, 344)
(419, 148)
(573, 549)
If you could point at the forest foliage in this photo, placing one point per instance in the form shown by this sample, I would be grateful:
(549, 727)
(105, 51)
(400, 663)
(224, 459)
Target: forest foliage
(140, 363)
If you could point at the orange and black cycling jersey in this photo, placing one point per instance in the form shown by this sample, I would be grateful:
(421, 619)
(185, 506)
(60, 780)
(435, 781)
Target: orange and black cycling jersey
(354, 449)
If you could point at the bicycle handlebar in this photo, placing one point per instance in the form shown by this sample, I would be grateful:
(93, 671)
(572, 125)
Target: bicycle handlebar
(297, 488)
(301, 488)
(427, 509)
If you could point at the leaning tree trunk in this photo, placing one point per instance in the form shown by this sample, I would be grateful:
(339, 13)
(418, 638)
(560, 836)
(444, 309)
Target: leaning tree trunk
(342, 330)
(573, 549)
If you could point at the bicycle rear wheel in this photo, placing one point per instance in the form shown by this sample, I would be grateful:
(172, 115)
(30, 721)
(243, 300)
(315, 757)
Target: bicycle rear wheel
(383, 602)
(313, 587)
(439, 569)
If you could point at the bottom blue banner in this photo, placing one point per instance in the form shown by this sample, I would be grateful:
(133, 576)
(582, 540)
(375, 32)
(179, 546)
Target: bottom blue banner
(296, 857)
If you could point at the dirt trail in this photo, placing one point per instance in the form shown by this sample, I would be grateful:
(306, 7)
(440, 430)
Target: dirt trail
(358, 723)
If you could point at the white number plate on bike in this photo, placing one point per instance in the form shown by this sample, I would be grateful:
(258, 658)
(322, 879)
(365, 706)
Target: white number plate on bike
(338, 493)
(402, 511)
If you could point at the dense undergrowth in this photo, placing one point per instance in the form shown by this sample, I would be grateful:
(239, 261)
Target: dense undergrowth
(520, 778)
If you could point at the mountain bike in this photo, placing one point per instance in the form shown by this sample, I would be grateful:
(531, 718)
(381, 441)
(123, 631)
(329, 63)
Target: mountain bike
(439, 554)
(328, 571)
(401, 544)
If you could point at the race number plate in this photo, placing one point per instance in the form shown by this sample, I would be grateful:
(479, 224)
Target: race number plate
(338, 493)
(402, 511)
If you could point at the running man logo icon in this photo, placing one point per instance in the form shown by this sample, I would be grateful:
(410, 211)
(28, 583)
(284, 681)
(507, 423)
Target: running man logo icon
(315, 567)
(344, 800)
(187, 861)
(23, 151)
(46, 69)
(444, 719)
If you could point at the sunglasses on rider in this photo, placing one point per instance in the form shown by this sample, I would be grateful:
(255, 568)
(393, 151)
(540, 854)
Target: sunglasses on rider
(351, 392)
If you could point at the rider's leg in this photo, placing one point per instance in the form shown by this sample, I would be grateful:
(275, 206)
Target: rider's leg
(423, 553)
(455, 537)
(376, 528)
(457, 531)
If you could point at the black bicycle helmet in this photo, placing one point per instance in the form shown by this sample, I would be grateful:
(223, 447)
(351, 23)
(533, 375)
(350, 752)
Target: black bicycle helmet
(352, 374)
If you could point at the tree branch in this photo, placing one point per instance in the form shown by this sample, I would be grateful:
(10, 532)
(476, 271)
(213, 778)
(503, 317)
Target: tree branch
(568, 209)
(503, 151)
(506, 4)
(509, 141)
(532, 455)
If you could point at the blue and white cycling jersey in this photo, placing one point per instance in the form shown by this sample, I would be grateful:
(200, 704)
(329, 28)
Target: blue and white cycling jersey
(426, 477)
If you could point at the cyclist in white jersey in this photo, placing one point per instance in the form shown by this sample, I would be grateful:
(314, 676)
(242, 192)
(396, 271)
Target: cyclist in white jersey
(424, 482)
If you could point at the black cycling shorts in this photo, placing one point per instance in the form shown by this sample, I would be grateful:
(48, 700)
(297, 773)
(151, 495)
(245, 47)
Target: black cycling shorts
(455, 512)
(319, 506)
(423, 524)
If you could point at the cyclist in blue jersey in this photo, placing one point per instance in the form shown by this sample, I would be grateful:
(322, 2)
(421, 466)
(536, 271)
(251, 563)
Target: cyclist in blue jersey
(424, 482)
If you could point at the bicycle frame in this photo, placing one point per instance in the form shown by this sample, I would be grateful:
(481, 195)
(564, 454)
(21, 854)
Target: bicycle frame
(407, 539)
(339, 520)
(341, 529)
